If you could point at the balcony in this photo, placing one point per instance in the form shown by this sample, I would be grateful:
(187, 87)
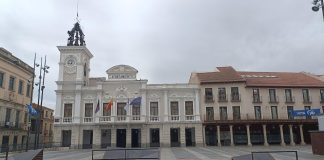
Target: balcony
(222, 98)
(87, 119)
(121, 118)
(12, 125)
(105, 119)
(154, 118)
(307, 100)
(136, 117)
(67, 120)
(235, 97)
(175, 118)
(190, 117)
(290, 99)
(274, 99)
(257, 99)
(209, 99)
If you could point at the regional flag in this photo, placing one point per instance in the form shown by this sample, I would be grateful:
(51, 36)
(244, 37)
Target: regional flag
(109, 105)
(97, 108)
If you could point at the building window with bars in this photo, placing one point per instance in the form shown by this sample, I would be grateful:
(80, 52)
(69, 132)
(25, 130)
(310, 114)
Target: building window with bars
(223, 113)
(235, 95)
(257, 112)
(256, 95)
(236, 113)
(222, 94)
(274, 112)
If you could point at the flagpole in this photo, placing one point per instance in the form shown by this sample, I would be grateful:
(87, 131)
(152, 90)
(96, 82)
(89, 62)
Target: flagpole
(31, 101)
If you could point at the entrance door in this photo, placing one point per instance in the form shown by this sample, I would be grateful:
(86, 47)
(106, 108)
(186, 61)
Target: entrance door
(175, 137)
(5, 142)
(66, 138)
(190, 136)
(105, 138)
(14, 144)
(155, 137)
(87, 139)
(121, 138)
(136, 138)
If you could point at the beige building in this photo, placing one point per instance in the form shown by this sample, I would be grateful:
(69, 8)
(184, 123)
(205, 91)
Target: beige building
(15, 92)
(46, 127)
(257, 107)
(120, 110)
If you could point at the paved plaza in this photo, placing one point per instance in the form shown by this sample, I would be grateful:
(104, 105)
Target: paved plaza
(198, 153)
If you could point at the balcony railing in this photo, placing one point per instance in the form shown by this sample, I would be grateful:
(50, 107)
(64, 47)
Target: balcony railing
(290, 100)
(235, 97)
(222, 98)
(12, 125)
(121, 118)
(67, 120)
(274, 99)
(136, 117)
(105, 119)
(307, 100)
(87, 119)
(209, 99)
(257, 99)
(175, 118)
(154, 118)
(190, 117)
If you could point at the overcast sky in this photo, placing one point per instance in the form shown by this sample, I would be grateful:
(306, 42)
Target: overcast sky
(166, 40)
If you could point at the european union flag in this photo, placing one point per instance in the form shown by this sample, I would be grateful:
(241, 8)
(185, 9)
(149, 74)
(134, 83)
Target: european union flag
(136, 101)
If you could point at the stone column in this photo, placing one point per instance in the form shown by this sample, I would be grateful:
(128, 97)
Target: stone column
(197, 111)
(291, 135)
(128, 137)
(248, 135)
(232, 137)
(218, 136)
(143, 107)
(113, 137)
(265, 135)
(166, 107)
(77, 118)
(282, 136)
(302, 141)
(96, 137)
(182, 136)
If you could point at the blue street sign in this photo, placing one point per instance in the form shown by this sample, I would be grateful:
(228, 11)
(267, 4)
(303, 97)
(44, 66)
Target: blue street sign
(307, 112)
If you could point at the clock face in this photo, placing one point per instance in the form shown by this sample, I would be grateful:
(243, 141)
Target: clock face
(70, 61)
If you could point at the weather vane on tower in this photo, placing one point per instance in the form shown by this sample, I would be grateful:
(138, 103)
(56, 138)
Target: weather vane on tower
(76, 36)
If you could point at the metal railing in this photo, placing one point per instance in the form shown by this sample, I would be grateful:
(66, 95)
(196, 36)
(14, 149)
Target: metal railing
(262, 152)
(126, 153)
(12, 125)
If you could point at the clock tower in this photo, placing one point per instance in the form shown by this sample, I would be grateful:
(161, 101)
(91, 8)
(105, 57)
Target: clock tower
(74, 58)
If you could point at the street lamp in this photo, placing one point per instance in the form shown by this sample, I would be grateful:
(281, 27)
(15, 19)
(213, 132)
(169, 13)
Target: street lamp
(317, 5)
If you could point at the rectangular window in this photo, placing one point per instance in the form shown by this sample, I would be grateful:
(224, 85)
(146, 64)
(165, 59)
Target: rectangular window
(274, 112)
(20, 87)
(11, 83)
(88, 111)
(290, 110)
(1, 79)
(26, 117)
(223, 113)
(322, 95)
(236, 113)
(68, 110)
(209, 95)
(272, 95)
(154, 108)
(210, 113)
(8, 113)
(46, 114)
(28, 90)
(257, 111)
(256, 95)
(189, 107)
(288, 95)
(106, 112)
(308, 108)
(235, 94)
(121, 109)
(136, 110)
(222, 94)
(17, 117)
(306, 97)
(174, 108)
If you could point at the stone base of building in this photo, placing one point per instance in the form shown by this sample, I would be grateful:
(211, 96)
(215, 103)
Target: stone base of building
(129, 135)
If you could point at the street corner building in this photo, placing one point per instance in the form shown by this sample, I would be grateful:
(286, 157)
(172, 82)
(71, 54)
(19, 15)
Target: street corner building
(15, 93)
(119, 110)
(258, 108)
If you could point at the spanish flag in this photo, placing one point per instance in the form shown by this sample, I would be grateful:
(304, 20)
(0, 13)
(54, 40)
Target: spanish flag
(109, 105)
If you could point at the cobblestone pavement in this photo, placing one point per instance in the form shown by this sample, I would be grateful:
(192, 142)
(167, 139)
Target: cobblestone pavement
(198, 153)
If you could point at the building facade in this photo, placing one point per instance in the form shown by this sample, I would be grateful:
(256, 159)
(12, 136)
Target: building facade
(99, 113)
(250, 108)
(15, 93)
(46, 126)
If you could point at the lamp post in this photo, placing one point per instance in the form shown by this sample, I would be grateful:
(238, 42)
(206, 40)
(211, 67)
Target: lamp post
(45, 70)
(38, 96)
(317, 5)
(31, 100)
